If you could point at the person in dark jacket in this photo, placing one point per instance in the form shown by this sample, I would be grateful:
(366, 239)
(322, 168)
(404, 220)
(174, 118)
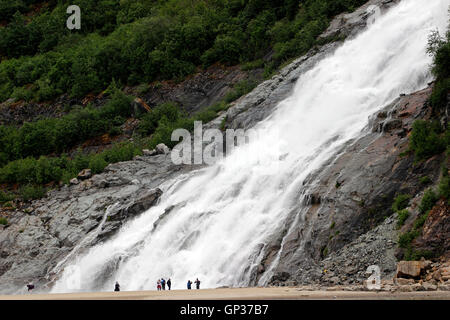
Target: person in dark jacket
(169, 284)
(117, 286)
(163, 284)
(197, 283)
(30, 287)
(189, 284)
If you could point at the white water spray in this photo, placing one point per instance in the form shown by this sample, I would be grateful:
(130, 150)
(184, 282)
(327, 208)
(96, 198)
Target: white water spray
(223, 214)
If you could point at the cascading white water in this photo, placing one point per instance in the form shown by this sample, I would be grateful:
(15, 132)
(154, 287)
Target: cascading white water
(223, 213)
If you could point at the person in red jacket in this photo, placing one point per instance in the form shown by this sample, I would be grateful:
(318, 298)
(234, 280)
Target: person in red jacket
(158, 285)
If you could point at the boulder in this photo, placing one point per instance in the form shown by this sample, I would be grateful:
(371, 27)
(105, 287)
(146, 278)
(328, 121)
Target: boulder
(85, 174)
(281, 276)
(429, 286)
(417, 287)
(444, 287)
(445, 273)
(404, 282)
(162, 149)
(74, 181)
(405, 288)
(411, 269)
(144, 202)
(149, 153)
(436, 275)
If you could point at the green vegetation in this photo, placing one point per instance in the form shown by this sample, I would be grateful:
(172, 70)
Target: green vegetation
(241, 88)
(420, 221)
(426, 139)
(48, 136)
(3, 221)
(405, 240)
(401, 202)
(399, 205)
(167, 117)
(30, 192)
(5, 197)
(136, 41)
(324, 252)
(428, 201)
(425, 180)
(444, 185)
(439, 47)
(414, 255)
(130, 42)
(401, 217)
(45, 170)
(429, 138)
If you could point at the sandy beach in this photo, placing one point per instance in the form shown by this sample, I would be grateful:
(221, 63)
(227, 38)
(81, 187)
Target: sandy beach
(283, 293)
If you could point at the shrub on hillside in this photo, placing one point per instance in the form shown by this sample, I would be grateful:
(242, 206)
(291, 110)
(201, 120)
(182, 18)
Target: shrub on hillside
(46, 136)
(425, 139)
(401, 217)
(31, 192)
(5, 196)
(428, 201)
(401, 202)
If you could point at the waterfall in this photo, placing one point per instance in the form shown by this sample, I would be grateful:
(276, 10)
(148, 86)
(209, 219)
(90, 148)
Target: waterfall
(212, 223)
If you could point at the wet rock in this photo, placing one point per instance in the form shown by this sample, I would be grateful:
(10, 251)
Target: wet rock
(137, 206)
(392, 124)
(281, 276)
(144, 202)
(63, 219)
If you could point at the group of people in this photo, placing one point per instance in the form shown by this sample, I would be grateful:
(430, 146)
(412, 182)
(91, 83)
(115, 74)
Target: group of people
(161, 284)
(197, 284)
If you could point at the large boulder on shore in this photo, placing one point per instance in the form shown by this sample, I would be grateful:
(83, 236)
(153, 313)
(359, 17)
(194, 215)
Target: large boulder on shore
(411, 269)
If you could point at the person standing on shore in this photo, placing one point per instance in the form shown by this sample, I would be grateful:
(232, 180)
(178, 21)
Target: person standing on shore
(30, 287)
(169, 284)
(189, 284)
(117, 286)
(158, 285)
(197, 283)
(163, 283)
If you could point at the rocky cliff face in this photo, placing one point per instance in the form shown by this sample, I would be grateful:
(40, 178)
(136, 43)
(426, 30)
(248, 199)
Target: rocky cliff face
(353, 195)
(75, 217)
(347, 227)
